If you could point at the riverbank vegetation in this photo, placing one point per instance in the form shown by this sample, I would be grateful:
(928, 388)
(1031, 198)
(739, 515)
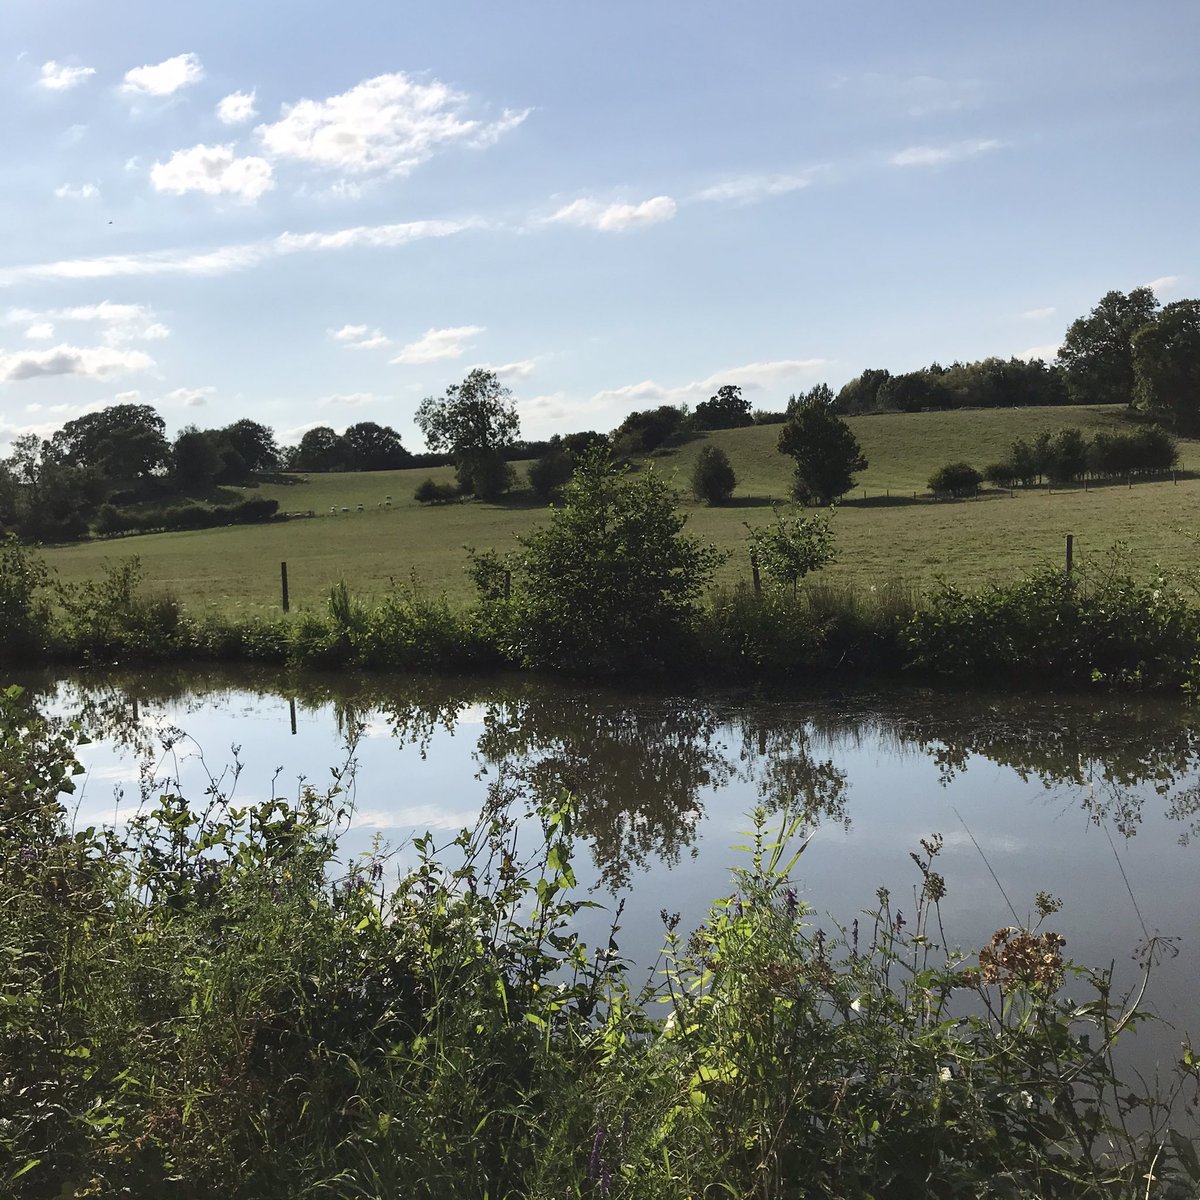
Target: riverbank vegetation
(211, 1001)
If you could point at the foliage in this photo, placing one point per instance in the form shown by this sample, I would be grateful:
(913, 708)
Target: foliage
(429, 491)
(214, 1003)
(548, 473)
(152, 519)
(24, 611)
(195, 460)
(727, 409)
(1166, 366)
(373, 447)
(320, 449)
(649, 430)
(713, 478)
(485, 473)
(990, 383)
(826, 451)
(121, 442)
(1097, 352)
(955, 479)
(611, 582)
(792, 546)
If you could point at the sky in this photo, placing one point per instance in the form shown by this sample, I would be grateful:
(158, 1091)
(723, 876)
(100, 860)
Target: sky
(320, 213)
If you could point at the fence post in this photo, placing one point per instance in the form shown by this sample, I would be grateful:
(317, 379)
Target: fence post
(283, 585)
(754, 574)
(292, 713)
(1070, 551)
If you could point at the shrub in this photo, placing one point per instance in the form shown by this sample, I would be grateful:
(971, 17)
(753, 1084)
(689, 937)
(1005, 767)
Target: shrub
(548, 473)
(24, 611)
(713, 479)
(1001, 474)
(955, 479)
(429, 492)
(611, 582)
(792, 547)
(826, 451)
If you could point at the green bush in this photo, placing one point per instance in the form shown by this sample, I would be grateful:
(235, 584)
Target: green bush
(713, 478)
(955, 479)
(25, 618)
(430, 492)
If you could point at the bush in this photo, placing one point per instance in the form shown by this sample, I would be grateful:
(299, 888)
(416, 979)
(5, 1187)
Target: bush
(713, 479)
(955, 479)
(24, 611)
(792, 547)
(429, 492)
(826, 451)
(1001, 474)
(548, 473)
(611, 582)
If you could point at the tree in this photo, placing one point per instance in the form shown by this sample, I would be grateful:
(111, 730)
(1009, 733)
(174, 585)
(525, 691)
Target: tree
(253, 443)
(647, 430)
(725, 410)
(372, 447)
(320, 449)
(611, 581)
(548, 473)
(474, 421)
(195, 459)
(713, 479)
(955, 479)
(1097, 352)
(122, 442)
(793, 547)
(819, 393)
(1166, 366)
(826, 451)
(861, 394)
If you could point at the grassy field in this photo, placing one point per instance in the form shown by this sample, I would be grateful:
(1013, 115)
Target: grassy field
(883, 536)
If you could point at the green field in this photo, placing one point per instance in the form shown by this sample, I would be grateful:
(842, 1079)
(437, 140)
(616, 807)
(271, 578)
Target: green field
(884, 536)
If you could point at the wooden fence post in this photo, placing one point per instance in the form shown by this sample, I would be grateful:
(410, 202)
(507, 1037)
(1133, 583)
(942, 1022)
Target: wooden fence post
(1070, 551)
(292, 713)
(284, 586)
(754, 574)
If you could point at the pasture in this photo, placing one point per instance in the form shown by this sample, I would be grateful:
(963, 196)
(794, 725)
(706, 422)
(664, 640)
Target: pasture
(883, 537)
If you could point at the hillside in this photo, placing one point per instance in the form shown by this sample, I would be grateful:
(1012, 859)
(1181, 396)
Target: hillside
(880, 538)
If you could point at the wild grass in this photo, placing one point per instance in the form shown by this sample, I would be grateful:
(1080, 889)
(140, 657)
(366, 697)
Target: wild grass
(211, 1002)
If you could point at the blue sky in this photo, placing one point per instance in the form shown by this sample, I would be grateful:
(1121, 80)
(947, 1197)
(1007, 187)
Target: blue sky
(319, 213)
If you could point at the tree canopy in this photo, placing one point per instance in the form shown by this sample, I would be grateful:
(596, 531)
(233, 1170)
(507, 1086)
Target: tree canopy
(1097, 352)
(826, 451)
(1166, 365)
(727, 409)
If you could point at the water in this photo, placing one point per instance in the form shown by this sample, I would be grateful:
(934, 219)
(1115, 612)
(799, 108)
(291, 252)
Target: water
(1096, 801)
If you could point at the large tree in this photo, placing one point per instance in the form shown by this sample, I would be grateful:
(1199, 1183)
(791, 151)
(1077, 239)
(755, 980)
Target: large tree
(1166, 366)
(1097, 352)
(474, 421)
(727, 409)
(320, 449)
(826, 451)
(122, 442)
(372, 447)
(253, 443)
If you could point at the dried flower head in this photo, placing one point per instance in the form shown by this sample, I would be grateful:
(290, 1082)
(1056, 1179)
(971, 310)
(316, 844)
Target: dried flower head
(1018, 957)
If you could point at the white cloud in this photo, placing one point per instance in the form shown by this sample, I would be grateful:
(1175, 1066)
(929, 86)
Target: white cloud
(95, 361)
(85, 191)
(1045, 352)
(58, 78)
(164, 78)
(239, 257)
(236, 108)
(388, 124)
(359, 337)
(189, 397)
(914, 95)
(214, 170)
(436, 344)
(40, 331)
(747, 189)
(513, 370)
(932, 156)
(351, 400)
(750, 377)
(1164, 283)
(614, 218)
(122, 322)
(1038, 314)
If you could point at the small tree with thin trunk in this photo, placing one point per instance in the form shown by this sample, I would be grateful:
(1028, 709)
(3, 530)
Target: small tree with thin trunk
(713, 478)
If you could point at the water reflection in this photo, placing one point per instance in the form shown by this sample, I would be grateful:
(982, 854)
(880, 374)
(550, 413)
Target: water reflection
(644, 766)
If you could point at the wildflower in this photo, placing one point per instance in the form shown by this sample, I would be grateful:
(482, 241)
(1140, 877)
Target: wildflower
(594, 1161)
(791, 901)
(669, 919)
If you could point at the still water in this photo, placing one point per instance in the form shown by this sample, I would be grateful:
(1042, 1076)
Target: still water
(1094, 800)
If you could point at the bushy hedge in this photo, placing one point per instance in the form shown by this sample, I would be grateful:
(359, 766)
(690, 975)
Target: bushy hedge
(113, 520)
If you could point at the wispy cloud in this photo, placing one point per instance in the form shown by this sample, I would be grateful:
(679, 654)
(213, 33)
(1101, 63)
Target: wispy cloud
(215, 171)
(57, 78)
(614, 218)
(95, 361)
(1038, 314)
(933, 156)
(84, 191)
(122, 323)
(1164, 283)
(387, 125)
(236, 108)
(436, 344)
(164, 78)
(348, 400)
(1045, 352)
(224, 260)
(748, 189)
(512, 370)
(755, 376)
(360, 337)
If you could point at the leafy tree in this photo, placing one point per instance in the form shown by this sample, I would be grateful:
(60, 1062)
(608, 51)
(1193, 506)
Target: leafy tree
(372, 447)
(320, 449)
(725, 410)
(861, 394)
(1166, 365)
(645, 431)
(611, 581)
(253, 443)
(955, 479)
(826, 451)
(713, 478)
(1097, 352)
(1067, 459)
(1002, 474)
(474, 421)
(792, 547)
(429, 491)
(121, 442)
(819, 393)
(548, 473)
(195, 459)
(491, 475)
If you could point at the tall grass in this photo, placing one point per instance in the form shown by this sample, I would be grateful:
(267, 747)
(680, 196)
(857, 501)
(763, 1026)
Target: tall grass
(214, 1003)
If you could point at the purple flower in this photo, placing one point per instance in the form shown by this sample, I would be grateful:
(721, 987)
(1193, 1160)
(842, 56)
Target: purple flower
(594, 1162)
